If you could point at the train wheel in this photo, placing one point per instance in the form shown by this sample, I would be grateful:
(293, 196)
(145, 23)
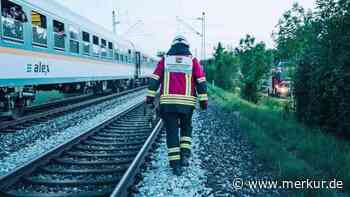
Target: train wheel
(17, 113)
(18, 109)
(116, 90)
(98, 88)
(88, 90)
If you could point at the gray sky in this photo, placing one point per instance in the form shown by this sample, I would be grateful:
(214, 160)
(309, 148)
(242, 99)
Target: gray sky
(228, 20)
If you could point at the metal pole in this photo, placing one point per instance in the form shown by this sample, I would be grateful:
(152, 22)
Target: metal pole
(202, 47)
(137, 70)
(114, 23)
(204, 39)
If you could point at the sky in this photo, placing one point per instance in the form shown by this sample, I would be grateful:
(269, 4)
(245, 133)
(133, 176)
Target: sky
(152, 24)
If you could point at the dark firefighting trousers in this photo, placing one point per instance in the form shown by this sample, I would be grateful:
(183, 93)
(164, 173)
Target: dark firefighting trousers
(179, 136)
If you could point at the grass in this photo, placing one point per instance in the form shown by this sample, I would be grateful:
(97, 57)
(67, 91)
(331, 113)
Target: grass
(291, 150)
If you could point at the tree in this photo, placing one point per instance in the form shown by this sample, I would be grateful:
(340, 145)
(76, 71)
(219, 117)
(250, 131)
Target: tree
(255, 63)
(224, 68)
(291, 34)
(318, 44)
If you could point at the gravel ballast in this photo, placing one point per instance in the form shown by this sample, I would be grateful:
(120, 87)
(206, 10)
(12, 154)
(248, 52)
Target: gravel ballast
(221, 154)
(18, 148)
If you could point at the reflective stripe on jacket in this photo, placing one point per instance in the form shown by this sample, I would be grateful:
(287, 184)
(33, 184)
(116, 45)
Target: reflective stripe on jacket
(181, 80)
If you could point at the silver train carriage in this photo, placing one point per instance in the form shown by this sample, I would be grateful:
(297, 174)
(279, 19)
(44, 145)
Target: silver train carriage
(45, 46)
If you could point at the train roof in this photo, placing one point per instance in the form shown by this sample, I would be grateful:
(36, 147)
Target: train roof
(57, 10)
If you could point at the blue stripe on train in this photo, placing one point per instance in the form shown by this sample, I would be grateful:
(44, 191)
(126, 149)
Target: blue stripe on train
(47, 81)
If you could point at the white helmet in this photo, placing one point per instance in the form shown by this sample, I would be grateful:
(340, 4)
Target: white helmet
(180, 40)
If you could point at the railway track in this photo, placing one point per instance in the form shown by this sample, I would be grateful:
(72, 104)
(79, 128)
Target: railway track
(57, 103)
(43, 113)
(99, 162)
(49, 105)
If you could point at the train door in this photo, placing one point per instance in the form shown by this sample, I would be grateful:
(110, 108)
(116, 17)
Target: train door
(1, 9)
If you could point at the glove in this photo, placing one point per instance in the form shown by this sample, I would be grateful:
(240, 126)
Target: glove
(151, 106)
(149, 100)
(203, 105)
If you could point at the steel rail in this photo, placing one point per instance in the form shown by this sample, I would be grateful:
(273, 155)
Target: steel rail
(32, 117)
(57, 102)
(26, 169)
(128, 179)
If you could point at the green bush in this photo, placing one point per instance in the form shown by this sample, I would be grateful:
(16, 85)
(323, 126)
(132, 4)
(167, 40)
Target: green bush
(255, 63)
(223, 69)
(318, 44)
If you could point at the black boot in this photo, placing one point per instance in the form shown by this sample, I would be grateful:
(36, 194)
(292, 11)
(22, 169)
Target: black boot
(185, 161)
(177, 171)
(176, 167)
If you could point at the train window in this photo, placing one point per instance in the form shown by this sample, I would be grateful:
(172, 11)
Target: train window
(95, 46)
(86, 37)
(59, 35)
(14, 11)
(116, 56)
(103, 48)
(95, 40)
(74, 39)
(110, 50)
(38, 20)
(110, 45)
(73, 33)
(86, 43)
(128, 58)
(12, 18)
(103, 43)
(74, 46)
(39, 29)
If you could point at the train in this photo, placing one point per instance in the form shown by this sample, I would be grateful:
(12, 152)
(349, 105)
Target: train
(44, 46)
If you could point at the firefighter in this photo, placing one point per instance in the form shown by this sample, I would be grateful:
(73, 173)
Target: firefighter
(182, 81)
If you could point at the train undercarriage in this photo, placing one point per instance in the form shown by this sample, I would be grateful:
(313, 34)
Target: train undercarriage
(14, 100)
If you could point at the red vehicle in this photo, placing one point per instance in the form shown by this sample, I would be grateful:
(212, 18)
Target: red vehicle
(279, 87)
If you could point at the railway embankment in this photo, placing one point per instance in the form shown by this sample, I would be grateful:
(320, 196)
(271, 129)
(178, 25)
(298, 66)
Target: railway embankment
(236, 140)
(290, 150)
(228, 156)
